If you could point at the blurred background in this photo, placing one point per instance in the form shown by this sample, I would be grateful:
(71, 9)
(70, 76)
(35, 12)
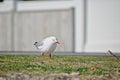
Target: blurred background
(80, 25)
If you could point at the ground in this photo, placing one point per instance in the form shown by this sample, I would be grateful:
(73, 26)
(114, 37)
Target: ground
(31, 67)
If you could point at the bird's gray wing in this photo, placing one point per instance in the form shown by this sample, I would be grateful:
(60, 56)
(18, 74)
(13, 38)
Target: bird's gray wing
(40, 43)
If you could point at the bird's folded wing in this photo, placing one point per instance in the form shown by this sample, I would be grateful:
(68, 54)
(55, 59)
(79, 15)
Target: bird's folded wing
(40, 43)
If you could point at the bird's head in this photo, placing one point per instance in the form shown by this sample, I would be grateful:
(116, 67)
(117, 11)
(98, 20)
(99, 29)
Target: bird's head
(54, 40)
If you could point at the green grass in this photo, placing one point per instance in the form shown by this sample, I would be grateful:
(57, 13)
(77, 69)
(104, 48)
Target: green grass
(32, 64)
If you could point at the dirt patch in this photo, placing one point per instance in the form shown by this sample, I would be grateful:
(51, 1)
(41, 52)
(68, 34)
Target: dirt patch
(60, 76)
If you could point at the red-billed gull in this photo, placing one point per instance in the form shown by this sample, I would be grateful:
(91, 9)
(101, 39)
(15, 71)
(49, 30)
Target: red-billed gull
(47, 45)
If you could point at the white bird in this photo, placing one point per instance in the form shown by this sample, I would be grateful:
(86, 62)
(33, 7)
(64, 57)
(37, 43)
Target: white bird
(47, 45)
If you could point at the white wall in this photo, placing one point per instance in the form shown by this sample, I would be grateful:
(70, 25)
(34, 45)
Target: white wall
(103, 26)
(6, 5)
(5, 32)
(96, 23)
(34, 26)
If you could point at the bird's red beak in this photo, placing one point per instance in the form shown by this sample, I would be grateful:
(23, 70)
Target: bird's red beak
(57, 42)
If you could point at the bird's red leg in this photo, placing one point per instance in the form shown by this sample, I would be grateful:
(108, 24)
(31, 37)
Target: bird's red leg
(50, 56)
(42, 56)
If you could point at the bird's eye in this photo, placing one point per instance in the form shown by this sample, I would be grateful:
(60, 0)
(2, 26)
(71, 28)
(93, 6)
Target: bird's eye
(54, 40)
